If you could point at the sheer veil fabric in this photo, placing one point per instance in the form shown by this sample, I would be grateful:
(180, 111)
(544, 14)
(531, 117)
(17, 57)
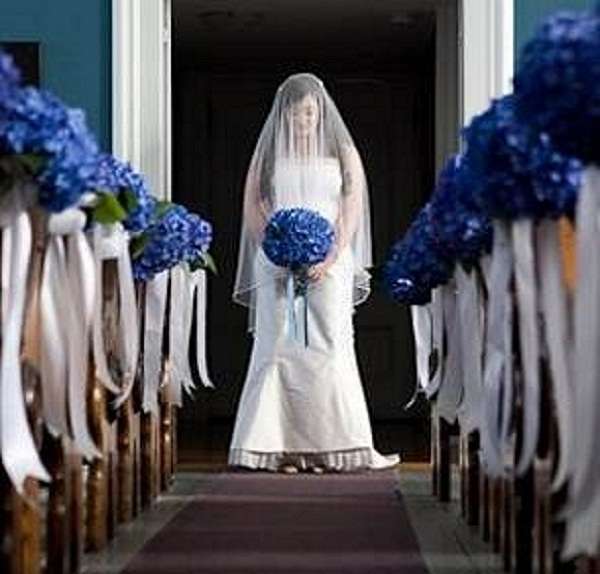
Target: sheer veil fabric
(304, 127)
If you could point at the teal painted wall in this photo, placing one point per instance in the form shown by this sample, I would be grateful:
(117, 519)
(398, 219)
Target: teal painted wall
(75, 38)
(528, 14)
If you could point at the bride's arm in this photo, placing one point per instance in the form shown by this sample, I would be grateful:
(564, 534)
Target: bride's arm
(256, 213)
(350, 209)
(352, 196)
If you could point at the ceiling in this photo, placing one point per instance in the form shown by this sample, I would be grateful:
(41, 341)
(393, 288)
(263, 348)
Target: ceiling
(241, 33)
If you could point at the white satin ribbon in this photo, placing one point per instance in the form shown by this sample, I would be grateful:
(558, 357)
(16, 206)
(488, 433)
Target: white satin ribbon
(450, 392)
(558, 339)
(184, 286)
(53, 337)
(471, 346)
(19, 453)
(112, 242)
(526, 291)
(583, 526)
(154, 321)
(68, 298)
(497, 365)
(437, 314)
(587, 340)
(422, 323)
(199, 279)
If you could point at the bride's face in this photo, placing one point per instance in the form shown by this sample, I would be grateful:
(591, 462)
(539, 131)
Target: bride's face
(305, 116)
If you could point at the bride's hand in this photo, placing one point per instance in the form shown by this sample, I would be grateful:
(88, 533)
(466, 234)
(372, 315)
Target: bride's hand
(318, 271)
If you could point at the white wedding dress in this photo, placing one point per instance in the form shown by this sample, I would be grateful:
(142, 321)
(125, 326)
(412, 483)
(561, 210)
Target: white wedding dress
(305, 405)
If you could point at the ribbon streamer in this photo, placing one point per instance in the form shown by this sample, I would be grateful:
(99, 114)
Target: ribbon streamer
(497, 368)
(558, 339)
(53, 337)
(451, 389)
(19, 453)
(155, 309)
(184, 287)
(68, 299)
(526, 282)
(469, 311)
(112, 242)
(583, 527)
(422, 323)
(199, 277)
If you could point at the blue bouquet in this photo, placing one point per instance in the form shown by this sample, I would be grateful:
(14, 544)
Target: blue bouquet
(463, 232)
(557, 83)
(297, 239)
(178, 237)
(53, 141)
(417, 263)
(514, 171)
(129, 187)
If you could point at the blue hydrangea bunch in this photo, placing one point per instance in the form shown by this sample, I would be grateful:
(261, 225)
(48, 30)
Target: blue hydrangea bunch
(177, 237)
(514, 171)
(297, 238)
(557, 84)
(462, 230)
(36, 122)
(417, 263)
(115, 176)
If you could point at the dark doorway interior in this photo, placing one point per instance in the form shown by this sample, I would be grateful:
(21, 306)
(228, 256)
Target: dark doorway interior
(379, 66)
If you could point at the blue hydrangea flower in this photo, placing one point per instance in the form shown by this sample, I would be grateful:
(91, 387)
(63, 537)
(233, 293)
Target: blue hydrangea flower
(417, 263)
(115, 176)
(462, 230)
(513, 171)
(178, 237)
(297, 238)
(36, 122)
(557, 84)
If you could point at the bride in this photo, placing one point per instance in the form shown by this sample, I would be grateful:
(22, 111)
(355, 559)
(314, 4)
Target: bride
(303, 407)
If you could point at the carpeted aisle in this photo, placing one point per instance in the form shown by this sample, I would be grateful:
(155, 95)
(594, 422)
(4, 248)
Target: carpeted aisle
(261, 523)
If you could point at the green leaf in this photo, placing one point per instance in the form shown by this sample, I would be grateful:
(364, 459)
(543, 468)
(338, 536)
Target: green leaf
(108, 210)
(162, 207)
(138, 244)
(206, 261)
(32, 163)
(128, 200)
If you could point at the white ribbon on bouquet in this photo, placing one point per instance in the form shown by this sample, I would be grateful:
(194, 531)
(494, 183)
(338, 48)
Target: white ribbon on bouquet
(111, 242)
(471, 346)
(19, 453)
(185, 285)
(497, 376)
(155, 306)
(583, 526)
(526, 293)
(558, 339)
(450, 392)
(68, 294)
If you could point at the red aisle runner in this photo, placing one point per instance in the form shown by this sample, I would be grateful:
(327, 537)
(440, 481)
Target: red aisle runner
(255, 523)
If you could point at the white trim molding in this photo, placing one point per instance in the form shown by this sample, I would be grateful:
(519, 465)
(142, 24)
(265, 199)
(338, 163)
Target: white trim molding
(486, 38)
(141, 70)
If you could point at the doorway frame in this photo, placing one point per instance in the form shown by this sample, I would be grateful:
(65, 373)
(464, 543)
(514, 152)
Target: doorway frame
(474, 43)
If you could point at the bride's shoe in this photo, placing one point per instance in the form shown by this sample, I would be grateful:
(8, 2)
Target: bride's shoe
(317, 470)
(288, 469)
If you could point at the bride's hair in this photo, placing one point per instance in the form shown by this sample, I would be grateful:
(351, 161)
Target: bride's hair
(291, 92)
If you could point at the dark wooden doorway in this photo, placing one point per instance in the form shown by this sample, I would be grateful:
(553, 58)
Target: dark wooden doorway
(218, 113)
